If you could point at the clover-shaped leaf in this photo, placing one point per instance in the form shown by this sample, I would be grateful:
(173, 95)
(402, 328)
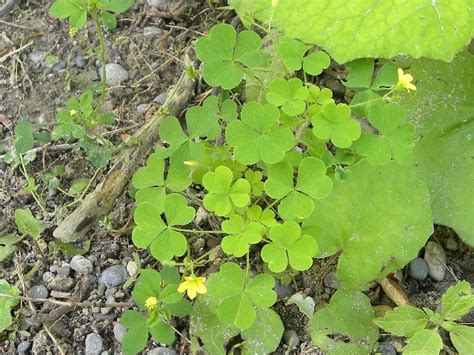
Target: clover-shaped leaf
(289, 94)
(151, 231)
(257, 135)
(239, 296)
(74, 11)
(255, 180)
(317, 99)
(202, 121)
(289, 247)
(314, 63)
(224, 195)
(334, 123)
(24, 137)
(226, 55)
(151, 184)
(240, 235)
(297, 201)
(180, 146)
(264, 217)
(395, 139)
(292, 52)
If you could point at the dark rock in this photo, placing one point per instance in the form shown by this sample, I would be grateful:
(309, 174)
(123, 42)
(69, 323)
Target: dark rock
(283, 291)
(114, 276)
(38, 291)
(291, 338)
(418, 269)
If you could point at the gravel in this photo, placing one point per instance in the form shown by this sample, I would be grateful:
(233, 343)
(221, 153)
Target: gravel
(331, 281)
(81, 264)
(151, 31)
(94, 344)
(132, 268)
(291, 338)
(59, 66)
(435, 257)
(80, 61)
(37, 58)
(158, 4)
(61, 283)
(23, 347)
(114, 276)
(115, 74)
(142, 108)
(161, 351)
(386, 349)
(38, 291)
(418, 269)
(119, 332)
(161, 98)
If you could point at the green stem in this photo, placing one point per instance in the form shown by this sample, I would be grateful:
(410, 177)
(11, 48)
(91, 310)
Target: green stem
(36, 197)
(373, 100)
(102, 58)
(196, 231)
(206, 254)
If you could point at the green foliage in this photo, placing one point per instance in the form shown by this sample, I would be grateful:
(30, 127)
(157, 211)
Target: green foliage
(163, 288)
(293, 54)
(239, 295)
(348, 316)
(228, 56)
(420, 28)
(151, 231)
(289, 94)
(6, 304)
(421, 326)
(27, 223)
(289, 247)
(240, 235)
(7, 245)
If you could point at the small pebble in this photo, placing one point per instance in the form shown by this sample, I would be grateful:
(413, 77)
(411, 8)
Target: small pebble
(291, 338)
(158, 4)
(161, 351)
(132, 268)
(61, 283)
(94, 344)
(101, 289)
(38, 291)
(106, 310)
(161, 98)
(119, 332)
(142, 108)
(386, 349)
(451, 244)
(151, 31)
(64, 270)
(23, 346)
(435, 257)
(418, 269)
(81, 264)
(331, 281)
(283, 291)
(48, 277)
(59, 66)
(38, 58)
(114, 276)
(115, 74)
(80, 61)
(110, 291)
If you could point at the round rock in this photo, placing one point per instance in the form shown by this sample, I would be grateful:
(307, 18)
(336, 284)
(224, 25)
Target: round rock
(331, 281)
(132, 267)
(161, 98)
(161, 351)
(81, 264)
(61, 283)
(158, 4)
(93, 344)
(115, 74)
(283, 291)
(435, 257)
(24, 346)
(80, 61)
(38, 291)
(418, 269)
(386, 349)
(114, 276)
(291, 338)
(119, 332)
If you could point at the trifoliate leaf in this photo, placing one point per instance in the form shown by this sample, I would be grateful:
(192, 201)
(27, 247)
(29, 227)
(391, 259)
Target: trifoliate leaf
(255, 180)
(395, 139)
(462, 337)
(419, 28)
(225, 55)
(162, 332)
(403, 321)
(202, 121)
(317, 99)
(424, 341)
(98, 154)
(457, 301)
(345, 325)
(314, 63)
(445, 124)
(386, 216)
(240, 235)
(264, 336)
(257, 135)
(297, 201)
(75, 11)
(151, 231)
(224, 195)
(334, 123)
(265, 217)
(289, 94)
(228, 110)
(67, 127)
(27, 224)
(238, 295)
(289, 247)
(292, 52)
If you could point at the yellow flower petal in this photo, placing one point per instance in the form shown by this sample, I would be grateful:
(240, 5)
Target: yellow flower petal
(193, 285)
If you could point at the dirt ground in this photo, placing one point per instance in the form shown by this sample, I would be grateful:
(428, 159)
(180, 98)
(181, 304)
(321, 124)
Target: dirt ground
(49, 68)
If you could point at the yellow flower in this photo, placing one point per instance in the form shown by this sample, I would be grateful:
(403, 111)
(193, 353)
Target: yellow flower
(405, 81)
(72, 31)
(151, 303)
(72, 112)
(193, 285)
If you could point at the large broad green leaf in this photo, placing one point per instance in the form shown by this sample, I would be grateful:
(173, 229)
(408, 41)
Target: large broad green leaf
(372, 28)
(264, 336)
(379, 219)
(345, 325)
(443, 111)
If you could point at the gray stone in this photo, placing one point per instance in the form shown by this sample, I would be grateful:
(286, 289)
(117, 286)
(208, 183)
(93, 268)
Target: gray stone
(151, 31)
(106, 310)
(115, 74)
(38, 58)
(142, 108)
(132, 268)
(23, 346)
(291, 338)
(38, 291)
(48, 277)
(283, 291)
(64, 270)
(158, 4)
(161, 351)
(87, 76)
(119, 332)
(61, 283)
(418, 269)
(80, 61)
(59, 66)
(386, 349)
(114, 276)
(94, 344)
(161, 98)
(331, 281)
(81, 264)
(451, 244)
(435, 257)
